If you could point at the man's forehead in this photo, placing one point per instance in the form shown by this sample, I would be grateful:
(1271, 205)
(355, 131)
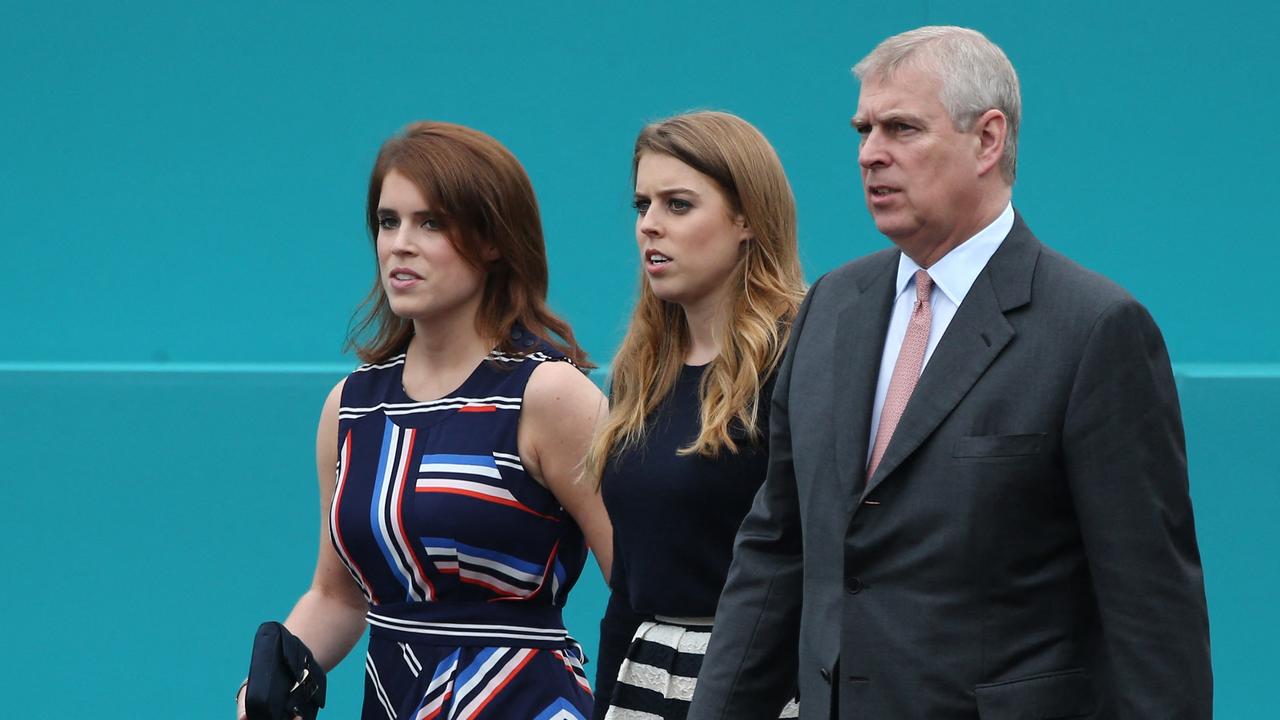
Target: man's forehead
(903, 90)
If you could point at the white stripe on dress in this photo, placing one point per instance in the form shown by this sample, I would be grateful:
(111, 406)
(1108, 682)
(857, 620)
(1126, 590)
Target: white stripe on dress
(500, 402)
(384, 511)
(676, 637)
(417, 575)
(430, 483)
(467, 630)
(460, 469)
(460, 693)
(410, 659)
(617, 713)
(377, 686)
(397, 360)
(482, 697)
(661, 680)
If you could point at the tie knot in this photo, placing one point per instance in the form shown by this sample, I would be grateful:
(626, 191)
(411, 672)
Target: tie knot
(924, 284)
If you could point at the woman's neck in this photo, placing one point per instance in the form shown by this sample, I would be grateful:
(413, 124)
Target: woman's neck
(705, 320)
(441, 354)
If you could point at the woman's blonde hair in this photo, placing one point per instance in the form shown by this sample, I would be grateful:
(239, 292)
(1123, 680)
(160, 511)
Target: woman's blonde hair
(767, 286)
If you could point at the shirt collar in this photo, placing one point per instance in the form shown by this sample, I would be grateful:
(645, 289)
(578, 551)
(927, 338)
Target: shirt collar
(956, 272)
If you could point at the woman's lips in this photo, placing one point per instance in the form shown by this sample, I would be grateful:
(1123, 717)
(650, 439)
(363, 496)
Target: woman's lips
(403, 278)
(656, 263)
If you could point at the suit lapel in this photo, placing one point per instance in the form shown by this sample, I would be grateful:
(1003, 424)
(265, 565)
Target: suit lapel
(861, 327)
(976, 336)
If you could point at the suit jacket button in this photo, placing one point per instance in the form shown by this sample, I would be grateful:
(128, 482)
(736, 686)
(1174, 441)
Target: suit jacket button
(853, 586)
(826, 675)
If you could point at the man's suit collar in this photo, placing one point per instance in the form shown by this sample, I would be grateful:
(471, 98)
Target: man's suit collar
(863, 318)
(1013, 266)
(954, 273)
(976, 336)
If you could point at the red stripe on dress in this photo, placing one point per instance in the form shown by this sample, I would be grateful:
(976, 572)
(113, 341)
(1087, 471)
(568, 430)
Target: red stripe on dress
(547, 571)
(478, 408)
(489, 498)
(504, 592)
(408, 450)
(508, 679)
(444, 702)
(333, 516)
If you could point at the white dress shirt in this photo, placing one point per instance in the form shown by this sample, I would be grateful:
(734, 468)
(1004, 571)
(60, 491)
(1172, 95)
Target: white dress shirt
(952, 275)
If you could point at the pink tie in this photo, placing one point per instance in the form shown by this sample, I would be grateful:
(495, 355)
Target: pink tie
(906, 371)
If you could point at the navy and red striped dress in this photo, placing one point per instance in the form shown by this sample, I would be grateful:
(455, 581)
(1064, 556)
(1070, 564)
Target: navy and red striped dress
(465, 559)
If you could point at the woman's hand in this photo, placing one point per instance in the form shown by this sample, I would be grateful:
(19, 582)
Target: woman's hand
(240, 713)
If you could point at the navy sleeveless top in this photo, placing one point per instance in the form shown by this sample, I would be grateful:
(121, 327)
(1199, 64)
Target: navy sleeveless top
(465, 559)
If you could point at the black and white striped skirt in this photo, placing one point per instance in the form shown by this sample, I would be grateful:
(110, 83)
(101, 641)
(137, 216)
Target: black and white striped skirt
(657, 677)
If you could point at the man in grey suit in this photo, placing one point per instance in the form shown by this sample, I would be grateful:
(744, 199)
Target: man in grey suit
(977, 502)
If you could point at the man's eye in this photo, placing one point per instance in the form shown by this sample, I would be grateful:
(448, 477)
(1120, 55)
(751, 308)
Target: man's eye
(388, 223)
(641, 206)
(901, 127)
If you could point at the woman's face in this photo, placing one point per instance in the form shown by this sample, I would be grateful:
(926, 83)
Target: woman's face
(690, 239)
(423, 274)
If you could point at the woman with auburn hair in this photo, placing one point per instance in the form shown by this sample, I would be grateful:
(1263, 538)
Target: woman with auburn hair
(454, 524)
(685, 446)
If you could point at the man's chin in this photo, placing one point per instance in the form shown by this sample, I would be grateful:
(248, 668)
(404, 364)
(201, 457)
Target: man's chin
(893, 229)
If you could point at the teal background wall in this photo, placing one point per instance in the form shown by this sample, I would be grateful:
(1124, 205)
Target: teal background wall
(180, 219)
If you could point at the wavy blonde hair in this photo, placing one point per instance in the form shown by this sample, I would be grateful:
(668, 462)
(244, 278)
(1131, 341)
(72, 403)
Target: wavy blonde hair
(767, 286)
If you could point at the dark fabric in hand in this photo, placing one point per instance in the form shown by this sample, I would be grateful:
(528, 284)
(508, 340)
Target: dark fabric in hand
(284, 678)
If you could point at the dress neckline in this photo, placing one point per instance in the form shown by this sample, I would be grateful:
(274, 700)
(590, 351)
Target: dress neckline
(452, 393)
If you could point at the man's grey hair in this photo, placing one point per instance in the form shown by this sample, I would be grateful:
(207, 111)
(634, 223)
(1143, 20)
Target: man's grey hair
(975, 75)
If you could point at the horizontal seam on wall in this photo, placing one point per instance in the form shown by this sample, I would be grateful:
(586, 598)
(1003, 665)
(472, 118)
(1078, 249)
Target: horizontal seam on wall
(1184, 371)
(206, 368)
(1226, 371)
(209, 368)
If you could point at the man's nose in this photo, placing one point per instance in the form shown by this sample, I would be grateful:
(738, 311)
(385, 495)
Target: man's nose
(871, 150)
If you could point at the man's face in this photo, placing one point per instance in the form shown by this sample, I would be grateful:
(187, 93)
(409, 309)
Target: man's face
(919, 174)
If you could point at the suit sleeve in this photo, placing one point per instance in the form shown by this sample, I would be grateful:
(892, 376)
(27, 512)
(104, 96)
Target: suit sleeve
(1125, 458)
(750, 667)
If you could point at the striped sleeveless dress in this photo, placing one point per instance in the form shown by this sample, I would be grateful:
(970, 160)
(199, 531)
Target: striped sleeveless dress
(465, 559)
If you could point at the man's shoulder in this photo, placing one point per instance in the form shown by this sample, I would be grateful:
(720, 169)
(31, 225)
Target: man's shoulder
(1061, 279)
(1065, 294)
(859, 272)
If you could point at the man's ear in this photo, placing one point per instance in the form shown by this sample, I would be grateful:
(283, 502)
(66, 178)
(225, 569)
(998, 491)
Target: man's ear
(992, 127)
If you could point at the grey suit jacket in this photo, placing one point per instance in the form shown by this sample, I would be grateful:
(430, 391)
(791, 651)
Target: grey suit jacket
(1026, 548)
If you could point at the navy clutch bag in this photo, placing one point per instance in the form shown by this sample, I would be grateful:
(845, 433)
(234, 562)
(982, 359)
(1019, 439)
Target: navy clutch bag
(284, 678)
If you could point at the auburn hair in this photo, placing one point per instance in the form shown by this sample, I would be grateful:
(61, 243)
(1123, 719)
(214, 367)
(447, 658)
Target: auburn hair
(766, 287)
(483, 196)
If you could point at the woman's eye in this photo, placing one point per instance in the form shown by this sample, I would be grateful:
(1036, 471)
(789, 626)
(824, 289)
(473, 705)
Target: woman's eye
(676, 205)
(388, 223)
(641, 206)
(432, 224)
